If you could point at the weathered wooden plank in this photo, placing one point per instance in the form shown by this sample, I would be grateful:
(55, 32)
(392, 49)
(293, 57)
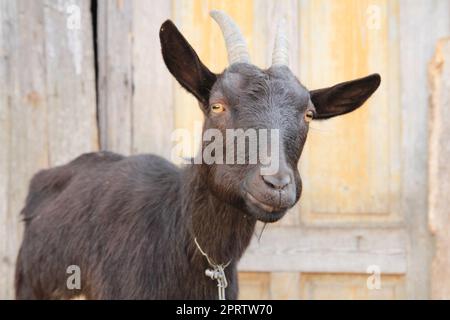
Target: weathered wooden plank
(115, 74)
(152, 109)
(5, 44)
(70, 76)
(327, 250)
(439, 169)
(421, 24)
(135, 88)
(26, 146)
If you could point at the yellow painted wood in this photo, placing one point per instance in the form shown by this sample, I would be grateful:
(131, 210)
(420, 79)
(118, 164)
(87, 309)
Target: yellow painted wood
(348, 286)
(351, 164)
(265, 285)
(318, 286)
(284, 285)
(254, 285)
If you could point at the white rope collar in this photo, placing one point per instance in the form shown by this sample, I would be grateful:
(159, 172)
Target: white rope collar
(217, 273)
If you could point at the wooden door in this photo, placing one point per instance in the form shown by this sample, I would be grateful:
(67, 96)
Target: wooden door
(360, 229)
(349, 219)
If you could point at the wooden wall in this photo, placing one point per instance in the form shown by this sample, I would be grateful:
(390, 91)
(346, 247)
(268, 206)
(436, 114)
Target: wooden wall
(365, 174)
(47, 105)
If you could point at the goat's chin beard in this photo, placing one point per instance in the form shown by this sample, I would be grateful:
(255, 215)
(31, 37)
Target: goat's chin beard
(267, 217)
(261, 214)
(242, 203)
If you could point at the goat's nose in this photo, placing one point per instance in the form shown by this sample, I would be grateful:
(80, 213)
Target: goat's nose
(277, 181)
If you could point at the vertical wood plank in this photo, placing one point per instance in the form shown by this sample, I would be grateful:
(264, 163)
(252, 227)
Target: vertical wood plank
(421, 24)
(439, 169)
(70, 78)
(27, 137)
(135, 88)
(115, 68)
(152, 109)
(7, 12)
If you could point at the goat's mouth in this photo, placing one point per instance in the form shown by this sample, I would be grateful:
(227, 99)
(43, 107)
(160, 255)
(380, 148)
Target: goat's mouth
(263, 211)
(260, 204)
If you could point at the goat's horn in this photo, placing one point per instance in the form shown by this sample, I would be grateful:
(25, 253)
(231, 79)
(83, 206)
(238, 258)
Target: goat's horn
(280, 54)
(234, 41)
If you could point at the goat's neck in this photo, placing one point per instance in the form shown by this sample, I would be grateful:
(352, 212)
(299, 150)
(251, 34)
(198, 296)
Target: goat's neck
(223, 231)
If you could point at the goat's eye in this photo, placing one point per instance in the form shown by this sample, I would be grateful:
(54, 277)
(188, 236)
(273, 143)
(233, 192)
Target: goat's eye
(217, 107)
(309, 115)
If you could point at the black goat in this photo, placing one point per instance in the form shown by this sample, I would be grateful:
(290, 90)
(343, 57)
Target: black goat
(132, 224)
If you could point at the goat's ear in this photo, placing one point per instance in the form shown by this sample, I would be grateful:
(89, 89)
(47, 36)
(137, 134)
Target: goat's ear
(343, 97)
(184, 64)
